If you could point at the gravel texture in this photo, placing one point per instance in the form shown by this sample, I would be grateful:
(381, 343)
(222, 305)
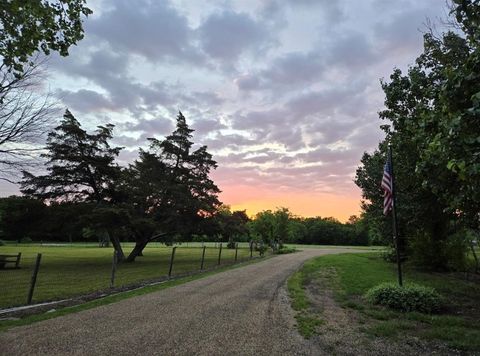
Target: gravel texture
(243, 311)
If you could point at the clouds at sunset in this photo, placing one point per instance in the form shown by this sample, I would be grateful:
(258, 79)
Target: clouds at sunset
(285, 94)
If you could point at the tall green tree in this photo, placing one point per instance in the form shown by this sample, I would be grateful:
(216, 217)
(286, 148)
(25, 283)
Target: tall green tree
(80, 167)
(230, 225)
(272, 226)
(190, 193)
(450, 161)
(171, 188)
(432, 116)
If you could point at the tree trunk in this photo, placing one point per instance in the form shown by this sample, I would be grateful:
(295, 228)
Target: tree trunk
(137, 250)
(140, 244)
(117, 247)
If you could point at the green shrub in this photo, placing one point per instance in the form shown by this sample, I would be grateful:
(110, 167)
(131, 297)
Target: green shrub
(2, 243)
(26, 240)
(408, 298)
(449, 254)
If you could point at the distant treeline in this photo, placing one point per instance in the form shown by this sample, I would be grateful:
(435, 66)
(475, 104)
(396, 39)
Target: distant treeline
(27, 219)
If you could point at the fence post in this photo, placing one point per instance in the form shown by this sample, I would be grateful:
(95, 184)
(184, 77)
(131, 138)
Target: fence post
(203, 258)
(251, 249)
(219, 254)
(236, 251)
(34, 278)
(114, 268)
(171, 262)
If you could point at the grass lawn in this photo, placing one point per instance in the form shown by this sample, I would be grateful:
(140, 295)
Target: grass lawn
(349, 276)
(67, 271)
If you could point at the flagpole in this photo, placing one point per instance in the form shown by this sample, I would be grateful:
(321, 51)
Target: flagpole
(394, 215)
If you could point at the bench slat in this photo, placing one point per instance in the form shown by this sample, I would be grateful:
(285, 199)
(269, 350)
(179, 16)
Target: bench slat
(4, 259)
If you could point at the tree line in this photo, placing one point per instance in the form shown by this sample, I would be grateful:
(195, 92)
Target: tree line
(431, 116)
(29, 220)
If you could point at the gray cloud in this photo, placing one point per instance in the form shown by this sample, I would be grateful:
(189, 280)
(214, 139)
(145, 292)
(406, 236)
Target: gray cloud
(206, 126)
(330, 12)
(226, 35)
(152, 29)
(401, 33)
(314, 103)
(290, 70)
(258, 119)
(234, 141)
(350, 53)
(85, 100)
(247, 82)
(294, 68)
(353, 51)
(90, 62)
(153, 127)
(127, 141)
(203, 98)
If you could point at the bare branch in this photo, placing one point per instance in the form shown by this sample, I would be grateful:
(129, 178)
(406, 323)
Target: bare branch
(25, 118)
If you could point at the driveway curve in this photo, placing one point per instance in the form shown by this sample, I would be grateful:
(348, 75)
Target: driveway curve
(242, 311)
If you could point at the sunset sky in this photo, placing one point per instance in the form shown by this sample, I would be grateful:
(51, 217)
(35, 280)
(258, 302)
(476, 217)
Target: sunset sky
(285, 94)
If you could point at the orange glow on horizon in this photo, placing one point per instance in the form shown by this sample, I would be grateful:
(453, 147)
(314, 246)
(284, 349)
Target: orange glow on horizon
(307, 204)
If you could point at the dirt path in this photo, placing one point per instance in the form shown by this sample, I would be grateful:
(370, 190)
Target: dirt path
(244, 311)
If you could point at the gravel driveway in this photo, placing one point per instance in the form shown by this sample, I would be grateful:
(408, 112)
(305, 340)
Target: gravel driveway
(243, 311)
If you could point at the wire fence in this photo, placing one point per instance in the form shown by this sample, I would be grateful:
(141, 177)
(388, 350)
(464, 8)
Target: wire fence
(66, 271)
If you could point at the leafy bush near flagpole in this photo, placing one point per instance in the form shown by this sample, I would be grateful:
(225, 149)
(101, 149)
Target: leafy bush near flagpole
(409, 298)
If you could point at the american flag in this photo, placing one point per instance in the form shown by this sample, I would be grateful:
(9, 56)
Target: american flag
(387, 187)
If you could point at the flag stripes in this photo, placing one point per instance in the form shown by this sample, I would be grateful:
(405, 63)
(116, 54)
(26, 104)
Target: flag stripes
(387, 188)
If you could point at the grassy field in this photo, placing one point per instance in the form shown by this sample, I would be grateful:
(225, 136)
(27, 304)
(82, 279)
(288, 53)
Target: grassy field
(71, 270)
(349, 276)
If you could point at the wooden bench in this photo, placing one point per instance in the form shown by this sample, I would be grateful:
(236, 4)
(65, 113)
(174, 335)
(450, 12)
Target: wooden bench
(13, 259)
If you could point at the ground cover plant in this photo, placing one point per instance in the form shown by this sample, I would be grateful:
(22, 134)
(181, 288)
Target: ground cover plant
(328, 294)
(67, 271)
(407, 298)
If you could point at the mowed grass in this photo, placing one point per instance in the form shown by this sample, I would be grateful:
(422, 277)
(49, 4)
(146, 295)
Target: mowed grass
(351, 275)
(67, 271)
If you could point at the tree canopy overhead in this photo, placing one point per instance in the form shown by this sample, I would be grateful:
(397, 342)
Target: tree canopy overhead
(27, 27)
